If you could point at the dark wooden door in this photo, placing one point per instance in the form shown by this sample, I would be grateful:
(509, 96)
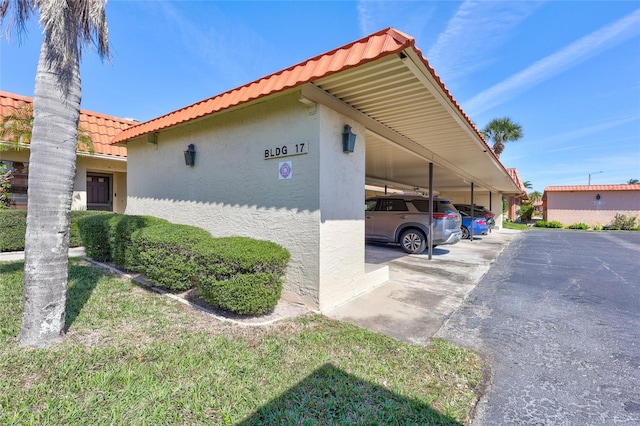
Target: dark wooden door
(99, 192)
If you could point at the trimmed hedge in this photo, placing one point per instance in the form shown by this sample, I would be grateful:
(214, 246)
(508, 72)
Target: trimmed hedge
(107, 237)
(121, 228)
(166, 254)
(246, 294)
(236, 274)
(94, 231)
(241, 274)
(13, 226)
(544, 224)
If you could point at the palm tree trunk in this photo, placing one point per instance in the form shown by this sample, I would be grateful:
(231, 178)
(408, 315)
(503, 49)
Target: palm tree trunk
(52, 169)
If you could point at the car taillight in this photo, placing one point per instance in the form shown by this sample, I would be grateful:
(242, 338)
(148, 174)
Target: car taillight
(445, 216)
(481, 222)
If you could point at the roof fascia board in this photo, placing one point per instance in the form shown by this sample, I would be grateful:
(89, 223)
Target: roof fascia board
(316, 94)
(27, 147)
(417, 67)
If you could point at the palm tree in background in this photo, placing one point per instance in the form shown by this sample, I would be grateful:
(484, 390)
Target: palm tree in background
(527, 184)
(535, 196)
(633, 181)
(17, 125)
(68, 26)
(500, 131)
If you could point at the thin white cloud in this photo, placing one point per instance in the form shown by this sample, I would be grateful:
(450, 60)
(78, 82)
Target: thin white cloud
(583, 132)
(228, 50)
(476, 29)
(577, 52)
(410, 17)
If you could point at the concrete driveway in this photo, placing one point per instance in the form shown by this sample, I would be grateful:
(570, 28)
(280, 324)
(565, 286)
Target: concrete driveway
(421, 293)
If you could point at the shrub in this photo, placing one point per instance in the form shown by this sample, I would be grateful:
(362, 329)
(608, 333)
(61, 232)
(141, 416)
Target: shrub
(579, 226)
(75, 239)
(598, 227)
(13, 225)
(166, 255)
(245, 294)
(525, 211)
(622, 222)
(94, 232)
(544, 224)
(121, 228)
(242, 275)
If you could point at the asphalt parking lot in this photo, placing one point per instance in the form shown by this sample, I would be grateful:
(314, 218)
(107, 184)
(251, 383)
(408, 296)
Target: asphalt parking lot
(556, 318)
(421, 293)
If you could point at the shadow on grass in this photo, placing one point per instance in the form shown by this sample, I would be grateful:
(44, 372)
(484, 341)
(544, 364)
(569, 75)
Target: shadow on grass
(332, 396)
(11, 267)
(82, 280)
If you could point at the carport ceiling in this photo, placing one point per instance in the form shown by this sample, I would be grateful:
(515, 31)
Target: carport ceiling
(412, 120)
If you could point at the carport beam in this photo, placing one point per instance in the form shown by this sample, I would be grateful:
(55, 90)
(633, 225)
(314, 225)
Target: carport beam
(473, 206)
(430, 210)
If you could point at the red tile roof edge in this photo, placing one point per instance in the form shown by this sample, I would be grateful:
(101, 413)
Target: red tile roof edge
(88, 119)
(584, 188)
(515, 176)
(396, 42)
(27, 99)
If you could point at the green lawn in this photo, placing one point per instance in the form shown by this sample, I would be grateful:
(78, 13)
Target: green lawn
(515, 225)
(134, 357)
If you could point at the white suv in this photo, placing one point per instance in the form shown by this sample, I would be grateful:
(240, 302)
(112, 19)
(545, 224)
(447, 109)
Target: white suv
(404, 220)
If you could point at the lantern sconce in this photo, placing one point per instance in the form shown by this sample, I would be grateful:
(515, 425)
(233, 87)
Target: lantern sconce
(598, 197)
(190, 155)
(348, 139)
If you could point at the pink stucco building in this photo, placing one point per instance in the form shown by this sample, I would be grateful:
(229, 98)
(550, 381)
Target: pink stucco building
(590, 204)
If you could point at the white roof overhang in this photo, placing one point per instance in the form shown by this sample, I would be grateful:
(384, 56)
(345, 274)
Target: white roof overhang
(411, 121)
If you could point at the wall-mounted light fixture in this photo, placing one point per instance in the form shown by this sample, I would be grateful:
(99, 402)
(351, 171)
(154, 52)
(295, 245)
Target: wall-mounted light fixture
(190, 155)
(348, 139)
(598, 197)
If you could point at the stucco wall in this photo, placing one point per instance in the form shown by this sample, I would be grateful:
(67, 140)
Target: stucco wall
(317, 214)
(583, 206)
(342, 246)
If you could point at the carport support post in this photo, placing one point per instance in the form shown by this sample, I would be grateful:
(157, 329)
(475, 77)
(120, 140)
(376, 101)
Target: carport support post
(430, 210)
(473, 206)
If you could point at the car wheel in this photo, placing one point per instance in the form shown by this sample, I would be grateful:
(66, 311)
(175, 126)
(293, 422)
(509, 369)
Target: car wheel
(413, 241)
(465, 232)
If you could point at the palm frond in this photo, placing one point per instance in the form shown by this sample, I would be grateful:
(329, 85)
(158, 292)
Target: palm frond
(17, 12)
(16, 126)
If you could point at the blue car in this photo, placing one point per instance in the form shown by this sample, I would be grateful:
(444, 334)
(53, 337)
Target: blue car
(479, 225)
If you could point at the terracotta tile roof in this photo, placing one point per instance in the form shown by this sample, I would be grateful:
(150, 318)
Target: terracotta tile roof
(513, 172)
(577, 188)
(102, 128)
(377, 45)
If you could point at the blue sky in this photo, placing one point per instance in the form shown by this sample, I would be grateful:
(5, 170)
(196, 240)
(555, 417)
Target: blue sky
(567, 71)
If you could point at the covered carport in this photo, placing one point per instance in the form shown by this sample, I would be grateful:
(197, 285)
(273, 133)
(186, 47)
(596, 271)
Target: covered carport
(417, 136)
(251, 176)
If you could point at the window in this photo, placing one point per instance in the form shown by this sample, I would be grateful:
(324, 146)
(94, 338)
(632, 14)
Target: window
(439, 206)
(394, 205)
(17, 197)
